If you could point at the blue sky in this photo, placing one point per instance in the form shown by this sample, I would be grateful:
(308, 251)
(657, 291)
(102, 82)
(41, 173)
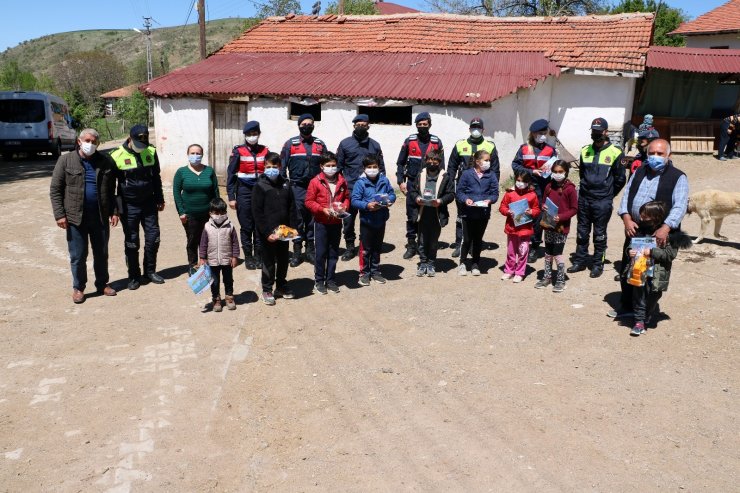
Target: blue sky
(23, 21)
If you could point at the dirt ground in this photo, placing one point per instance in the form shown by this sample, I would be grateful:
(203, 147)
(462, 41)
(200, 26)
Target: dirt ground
(445, 384)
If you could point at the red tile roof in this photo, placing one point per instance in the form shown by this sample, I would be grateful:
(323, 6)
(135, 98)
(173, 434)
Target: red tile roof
(609, 42)
(458, 78)
(694, 60)
(388, 8)
(121, 92)
(723, 19)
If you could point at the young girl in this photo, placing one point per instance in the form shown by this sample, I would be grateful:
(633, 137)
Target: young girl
(219, 247)
(562, 192)
(273, 205)
(477, 189)
(517, 237)
(327, 198)
(432, 191)
(645, 298)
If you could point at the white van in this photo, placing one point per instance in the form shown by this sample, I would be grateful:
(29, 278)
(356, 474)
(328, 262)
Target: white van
(34, 122)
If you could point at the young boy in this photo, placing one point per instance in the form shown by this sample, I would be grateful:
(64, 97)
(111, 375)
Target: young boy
(372, 195)
(432, 191)
(273, 205)
(327, 198)
(219, 247)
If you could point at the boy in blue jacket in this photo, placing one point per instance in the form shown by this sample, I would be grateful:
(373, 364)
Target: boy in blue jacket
(372, 195)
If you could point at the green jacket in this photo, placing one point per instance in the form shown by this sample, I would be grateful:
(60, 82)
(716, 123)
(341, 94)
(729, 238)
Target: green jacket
(663, 258)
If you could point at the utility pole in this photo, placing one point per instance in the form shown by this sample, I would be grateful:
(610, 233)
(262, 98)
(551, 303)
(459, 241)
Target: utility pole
(202, 27)
(340, 9)
(148, 33)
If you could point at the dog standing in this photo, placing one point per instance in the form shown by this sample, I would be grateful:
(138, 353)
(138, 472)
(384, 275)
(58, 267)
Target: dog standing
(713, 204)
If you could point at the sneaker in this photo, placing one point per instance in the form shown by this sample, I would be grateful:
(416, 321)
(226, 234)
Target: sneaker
(576, 268)
(155, 278)
(475, 270)
(217, 306)
(285, 293)
(364, 280)
(378, 278)
(230, 305)
(319, 288)
(722, 158)
(456, 251)
(619, 314)
(268, 298)
(430, 271)
(462, 271)
(421, 271)
(518, 279)
(543, 283)
(506, 276)
(133, 284)
(332, 286)
(559, 287)
(638, 329)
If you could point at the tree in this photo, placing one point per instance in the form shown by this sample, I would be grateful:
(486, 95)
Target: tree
(14, 79)
(273, 8)
(506, 8)
(91, 73)
(354, 7)
(666, 19)
(134, 108)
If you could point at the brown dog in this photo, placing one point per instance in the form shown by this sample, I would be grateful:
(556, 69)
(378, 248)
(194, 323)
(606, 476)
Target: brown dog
(713, 204)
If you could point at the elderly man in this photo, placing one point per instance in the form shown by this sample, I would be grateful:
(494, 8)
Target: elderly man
(659, 180)
(83, 201)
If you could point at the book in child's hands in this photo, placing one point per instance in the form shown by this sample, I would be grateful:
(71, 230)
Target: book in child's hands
(382, 199)
(520, 216)
(641, 267)
(548, 215)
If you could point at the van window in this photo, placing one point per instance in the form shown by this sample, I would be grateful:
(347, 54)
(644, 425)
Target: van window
(22, 111)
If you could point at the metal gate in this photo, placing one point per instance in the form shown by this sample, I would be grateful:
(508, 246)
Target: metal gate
(228, 120)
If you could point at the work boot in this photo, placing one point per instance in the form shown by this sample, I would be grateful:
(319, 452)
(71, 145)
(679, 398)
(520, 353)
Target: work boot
(576, 267)
(297, 258)
(559, 280)
(349, 252)
(456, 251)
(410, 250)
(310, 253)
(546, 275)
(248, 259)
(596, 271)
(257, 261)
(533, 255)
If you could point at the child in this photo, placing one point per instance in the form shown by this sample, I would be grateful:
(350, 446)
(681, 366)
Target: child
(372, 195)
(477, 190)
(645, 298)
(327, 198)
(432, 191)
(517, 237)
(219, 247)
(273, 205)
(562, 192)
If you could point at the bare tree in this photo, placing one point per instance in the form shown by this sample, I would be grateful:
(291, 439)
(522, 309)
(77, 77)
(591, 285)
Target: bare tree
(507, 8)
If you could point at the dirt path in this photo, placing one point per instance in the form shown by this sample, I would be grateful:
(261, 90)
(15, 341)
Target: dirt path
(445, 384)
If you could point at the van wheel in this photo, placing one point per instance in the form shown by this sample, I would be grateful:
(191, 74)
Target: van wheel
(7, 156)
(57, 150)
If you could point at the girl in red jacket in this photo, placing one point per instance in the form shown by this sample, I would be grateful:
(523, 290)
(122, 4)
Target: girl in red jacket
(327, 198)
(562, 193)
(518, 236)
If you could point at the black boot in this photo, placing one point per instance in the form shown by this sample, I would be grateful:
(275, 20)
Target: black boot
(350, 251)
(310, 253)
(297, 258)
(248, 259)
(410, 250)
(257, 260)
(456, 251)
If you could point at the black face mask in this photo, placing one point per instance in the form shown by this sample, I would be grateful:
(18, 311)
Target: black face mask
(423, 131)
(306, 130)
(432, 168)
(597, 137)
(361, 133)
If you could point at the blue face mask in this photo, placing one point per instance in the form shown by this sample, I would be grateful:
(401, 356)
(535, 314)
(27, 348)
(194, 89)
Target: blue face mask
(656, 163)
(272, 173)
(195, 158)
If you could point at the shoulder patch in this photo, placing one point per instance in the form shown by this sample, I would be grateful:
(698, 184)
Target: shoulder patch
(295, 141)
(608, 159)
(434, 138)
(411, 137)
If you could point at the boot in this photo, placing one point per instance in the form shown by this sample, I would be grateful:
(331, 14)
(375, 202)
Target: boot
(257, 261)
(248, 259)
(546, 276)
(349, 252)
(310, 253)
(559, 280)
(297, 258)
(456, 252)
(410, 250)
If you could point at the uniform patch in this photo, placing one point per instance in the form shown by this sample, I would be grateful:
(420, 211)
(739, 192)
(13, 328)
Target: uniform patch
(608, 159)
(127, 161)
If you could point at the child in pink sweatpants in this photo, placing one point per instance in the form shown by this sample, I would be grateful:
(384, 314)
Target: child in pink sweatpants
(517, 237)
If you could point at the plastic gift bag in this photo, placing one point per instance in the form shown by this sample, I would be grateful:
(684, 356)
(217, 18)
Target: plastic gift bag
(201, 280)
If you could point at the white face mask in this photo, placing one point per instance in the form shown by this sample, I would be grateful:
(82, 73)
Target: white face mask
(252, 139)
(558, 177)
(521, 185)
(372, 172)
(541, 139)
(476, 133)
(88, 148)
(485, 165)
(330, 171)
(219, 218)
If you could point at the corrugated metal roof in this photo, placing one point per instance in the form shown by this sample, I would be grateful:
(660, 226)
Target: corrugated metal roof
(723, 19)
(606, 42)
(458, 78)
(694, 60)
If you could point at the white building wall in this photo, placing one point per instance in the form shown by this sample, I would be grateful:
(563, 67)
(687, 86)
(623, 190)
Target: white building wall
(179, 123)
(711, 40)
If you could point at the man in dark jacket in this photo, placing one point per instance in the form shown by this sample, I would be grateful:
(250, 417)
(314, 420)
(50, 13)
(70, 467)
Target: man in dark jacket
(350, 154)
(409, 164)
(300, 163)
(82, 196)
(460, 161)
(140, 201)
(728, 131)
(602, 177)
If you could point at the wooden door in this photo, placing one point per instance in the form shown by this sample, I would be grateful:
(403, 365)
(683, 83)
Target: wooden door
(228, 120)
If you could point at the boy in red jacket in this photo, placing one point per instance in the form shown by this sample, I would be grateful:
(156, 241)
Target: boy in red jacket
(327, 198)
(518, 236)
(562, 193)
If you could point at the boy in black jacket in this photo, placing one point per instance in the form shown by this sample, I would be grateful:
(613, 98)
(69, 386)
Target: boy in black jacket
(273, 205)
(432, 191)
